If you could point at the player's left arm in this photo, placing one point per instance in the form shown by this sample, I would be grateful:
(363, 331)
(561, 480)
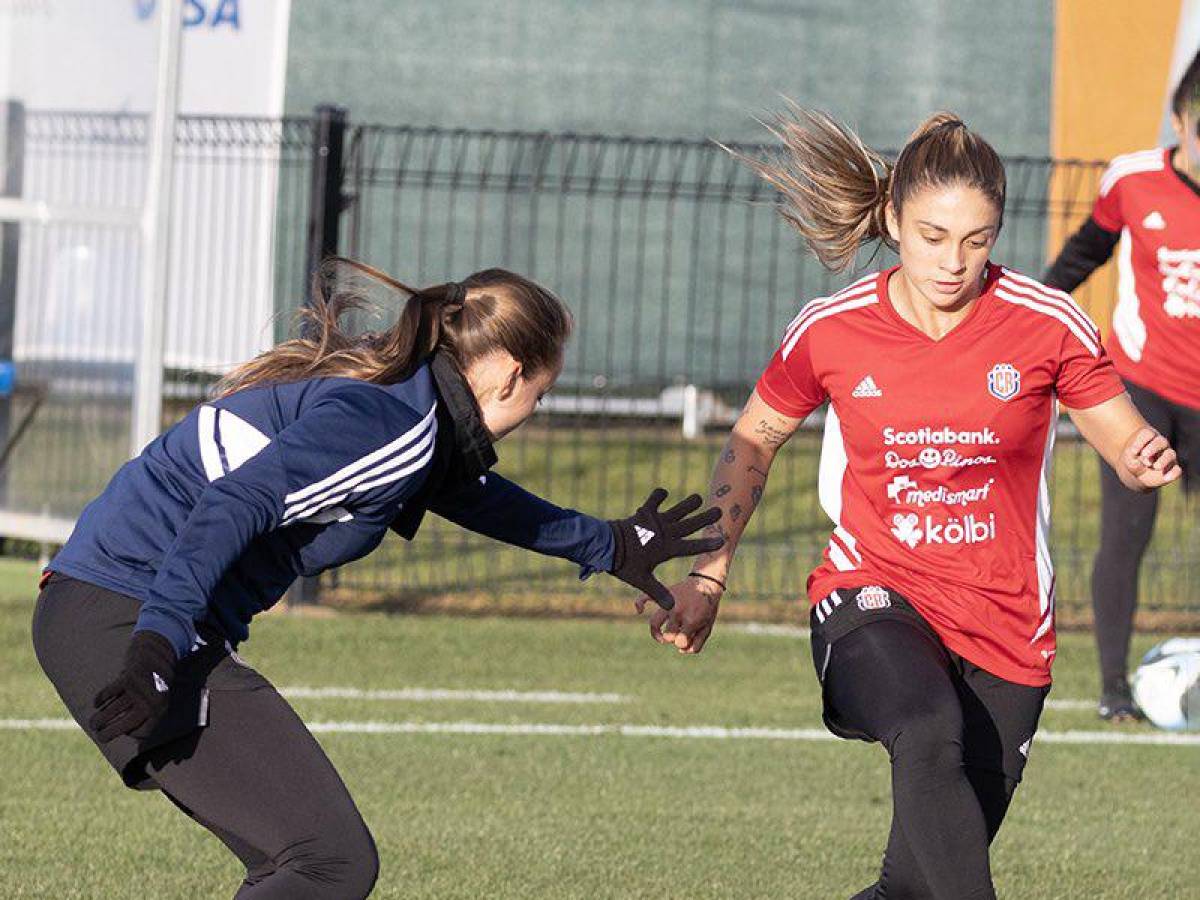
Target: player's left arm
(1142, 458)
(629, 549)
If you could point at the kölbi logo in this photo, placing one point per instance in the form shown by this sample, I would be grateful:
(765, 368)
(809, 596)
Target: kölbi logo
(970, 529)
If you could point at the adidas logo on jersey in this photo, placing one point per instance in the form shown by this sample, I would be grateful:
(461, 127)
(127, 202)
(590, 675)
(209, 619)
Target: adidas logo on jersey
(867, 388)
(1154, 221)
(645, 535)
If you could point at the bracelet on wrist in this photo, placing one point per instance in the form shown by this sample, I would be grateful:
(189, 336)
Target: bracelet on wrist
(718, 582)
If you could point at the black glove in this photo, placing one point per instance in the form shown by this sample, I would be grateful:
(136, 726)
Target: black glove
(135, 702)
(649, 538)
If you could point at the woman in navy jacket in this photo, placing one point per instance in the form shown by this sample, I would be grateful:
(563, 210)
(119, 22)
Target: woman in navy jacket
(305, 459)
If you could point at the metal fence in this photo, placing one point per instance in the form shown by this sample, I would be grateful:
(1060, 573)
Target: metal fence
(240, 184)
(681, 277)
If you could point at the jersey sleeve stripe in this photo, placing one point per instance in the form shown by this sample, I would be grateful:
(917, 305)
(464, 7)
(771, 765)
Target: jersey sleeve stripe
(857, 283)
(1089, 343)
(210, 453)
(371, 459)
(1025, 285)
(814, 306)
(1148, 162)
(394, 469)
(1131, 164)
(396, 459)
(401, 473)
(831, 310)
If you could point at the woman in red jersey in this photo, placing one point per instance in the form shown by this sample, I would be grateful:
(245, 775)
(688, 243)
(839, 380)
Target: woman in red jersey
(933, 607)
(1149, 205)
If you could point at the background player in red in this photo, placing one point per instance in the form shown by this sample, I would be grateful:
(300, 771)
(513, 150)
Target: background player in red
(1149, 205)
(933, 608)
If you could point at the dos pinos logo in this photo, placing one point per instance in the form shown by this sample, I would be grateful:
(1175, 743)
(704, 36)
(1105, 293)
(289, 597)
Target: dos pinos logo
(1004, 381)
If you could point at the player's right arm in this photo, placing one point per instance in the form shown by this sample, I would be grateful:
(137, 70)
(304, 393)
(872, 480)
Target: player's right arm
(1092, 245)
(784, 396)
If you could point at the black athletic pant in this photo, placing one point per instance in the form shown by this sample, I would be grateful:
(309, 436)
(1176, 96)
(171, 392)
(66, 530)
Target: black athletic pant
(957, 737)
(257, 779)
(253, 775)
(1126, 526)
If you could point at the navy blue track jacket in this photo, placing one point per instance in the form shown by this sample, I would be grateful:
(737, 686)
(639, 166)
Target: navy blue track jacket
(221, 513)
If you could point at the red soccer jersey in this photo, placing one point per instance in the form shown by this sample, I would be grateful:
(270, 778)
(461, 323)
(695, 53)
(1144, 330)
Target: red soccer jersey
(1155, 338)
(936, 456)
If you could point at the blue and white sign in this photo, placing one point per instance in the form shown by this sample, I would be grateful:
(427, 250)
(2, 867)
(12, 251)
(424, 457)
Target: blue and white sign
(77, 287)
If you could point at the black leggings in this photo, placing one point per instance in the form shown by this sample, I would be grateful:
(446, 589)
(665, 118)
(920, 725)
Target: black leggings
(253, 775)
(957, 737)
(257, 779)
(1126, 526)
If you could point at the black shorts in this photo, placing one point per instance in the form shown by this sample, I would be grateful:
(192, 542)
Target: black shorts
(991, 706)
(80, 632)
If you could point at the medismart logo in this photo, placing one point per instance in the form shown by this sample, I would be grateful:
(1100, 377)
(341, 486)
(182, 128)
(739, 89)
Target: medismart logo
(902, 489)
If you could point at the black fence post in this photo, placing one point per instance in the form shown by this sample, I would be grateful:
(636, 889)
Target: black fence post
(10, 236)
(326, 198)
(326, 201)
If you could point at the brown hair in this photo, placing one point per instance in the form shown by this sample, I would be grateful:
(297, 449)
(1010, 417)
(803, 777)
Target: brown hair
(1187, 92)
(488, 311)
(834, 189)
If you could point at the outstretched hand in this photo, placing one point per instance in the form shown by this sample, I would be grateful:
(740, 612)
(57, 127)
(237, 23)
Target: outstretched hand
(689, 621)
(1150, 460)
(650, 537)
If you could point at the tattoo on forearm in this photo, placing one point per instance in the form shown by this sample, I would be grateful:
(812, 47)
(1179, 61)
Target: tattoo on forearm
(722, 490)
(756, 493)
(717, 530)
(771, 435)
(756, 470)
(735, 511)
(729, 456)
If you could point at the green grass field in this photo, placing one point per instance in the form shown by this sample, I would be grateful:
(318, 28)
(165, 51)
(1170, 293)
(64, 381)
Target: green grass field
(584, 815)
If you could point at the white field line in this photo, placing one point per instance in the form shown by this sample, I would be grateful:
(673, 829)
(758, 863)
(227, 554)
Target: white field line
(767, 629)
(438, 695)
(1071, 704)
(702, 732)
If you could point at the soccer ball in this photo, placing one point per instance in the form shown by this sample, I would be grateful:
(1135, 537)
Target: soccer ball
(1167, 684)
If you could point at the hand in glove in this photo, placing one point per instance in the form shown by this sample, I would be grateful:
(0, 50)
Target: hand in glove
(135, 702)
(650, 537)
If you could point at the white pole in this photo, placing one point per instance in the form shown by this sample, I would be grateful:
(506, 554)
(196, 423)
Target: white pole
(691, 412)
(155, 224)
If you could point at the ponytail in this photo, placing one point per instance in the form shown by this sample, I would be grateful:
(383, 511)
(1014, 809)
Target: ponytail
(835, 190)
(832, 187)
(492, 310)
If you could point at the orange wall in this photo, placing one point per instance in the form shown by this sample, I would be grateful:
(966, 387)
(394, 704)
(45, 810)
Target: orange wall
(1111, 67)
